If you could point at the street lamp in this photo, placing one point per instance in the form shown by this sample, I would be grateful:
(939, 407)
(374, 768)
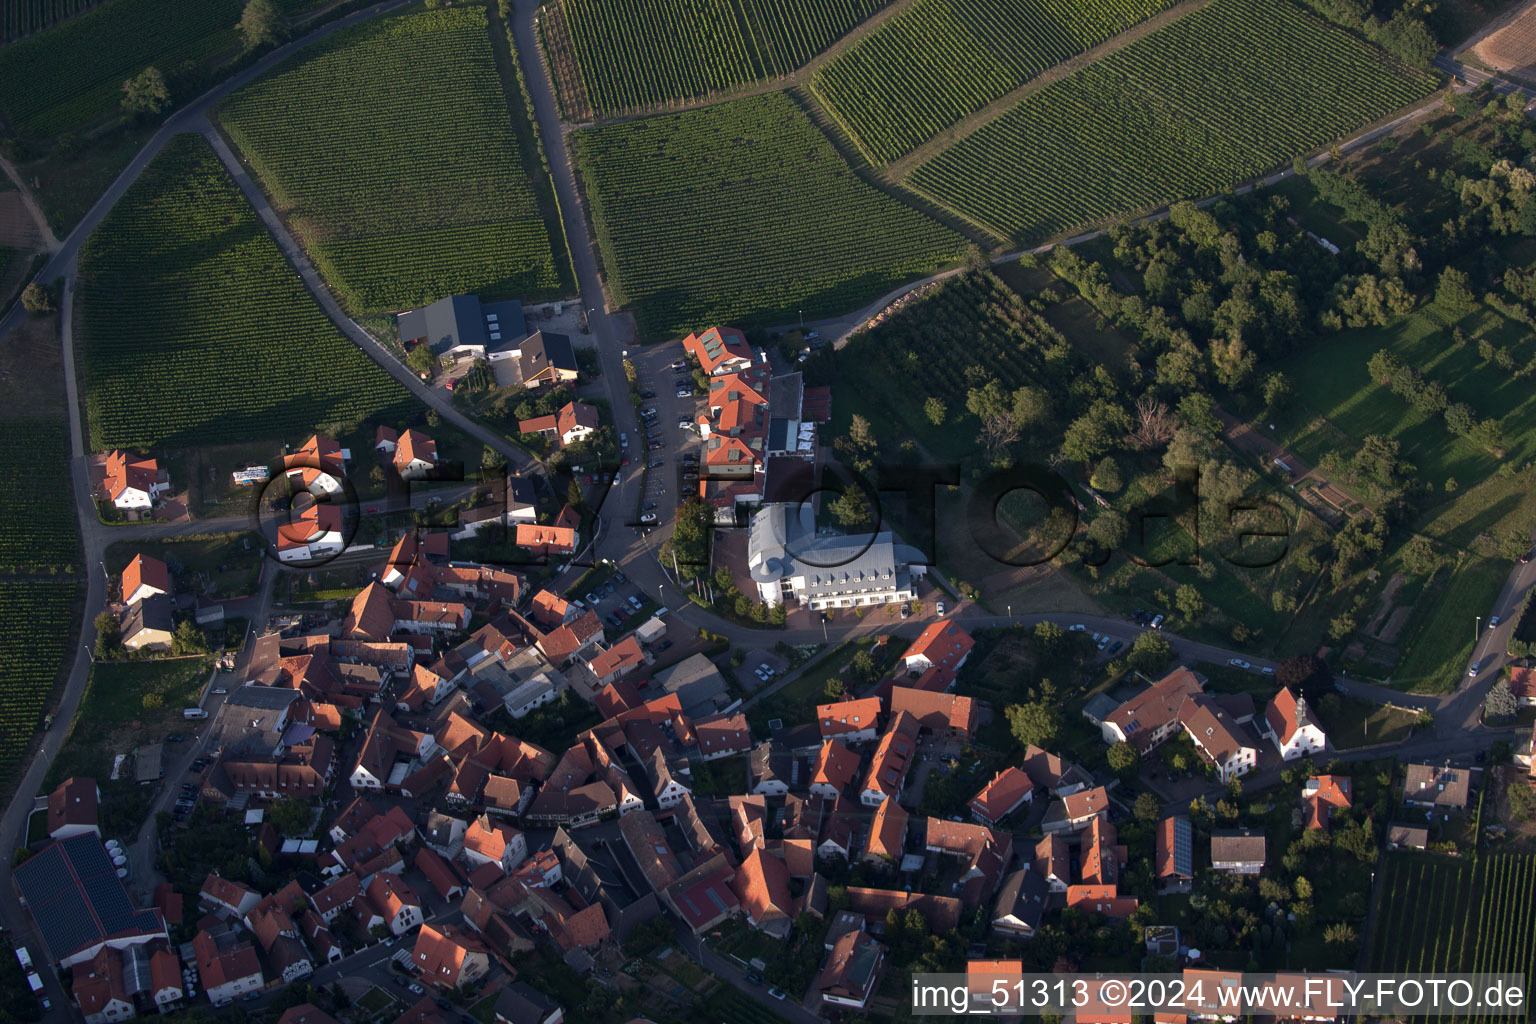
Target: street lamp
(1477, 630)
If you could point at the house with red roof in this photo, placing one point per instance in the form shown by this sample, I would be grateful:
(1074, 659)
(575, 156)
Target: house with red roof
(226, 966)
(1217, 738)
(851, 721)
(1149, 718)
(1321, 795)
(1291, 726)
(936, 656)
(317, 466)
(887, 834)
(1101, 899)
(835, 769)
(561, 537)
(314, 531)
(888, 769)
(1073, 813)
(145, 577)
(415, 455)
(1175, 855)
(488, 841)
(762, 887)
(72, 809)
(1053, 862)
(392, 903)
(99, 988)
(942, 714)
(165, 979)
(722, 736)
(449, 957)
(231, 898)
(616, 662)
(851, 972)
(1007, 792)
(703, 897)
(719, 350)
(442, 874)
(575, 422)
(133, 483)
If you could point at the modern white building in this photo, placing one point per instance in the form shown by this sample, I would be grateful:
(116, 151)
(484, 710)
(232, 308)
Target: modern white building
(789, 560)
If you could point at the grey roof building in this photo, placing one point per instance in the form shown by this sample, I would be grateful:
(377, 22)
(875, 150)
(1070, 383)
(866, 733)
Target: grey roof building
(789, 559)
(461, 325)
(147, 620)
(518, 1003)
(699, 686)
(79, 904)
(252, 719)
(546, 358)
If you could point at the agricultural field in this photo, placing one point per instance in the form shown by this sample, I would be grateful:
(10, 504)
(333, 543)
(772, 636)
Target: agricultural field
(23, 17)
(939, 60)
(37, 619)
(127, 703)
(1222, 94)
(612, 56)
(64, 79)
(1434, 915)
(36, 501)
(397, 204)
(744, 213)
(195, 330)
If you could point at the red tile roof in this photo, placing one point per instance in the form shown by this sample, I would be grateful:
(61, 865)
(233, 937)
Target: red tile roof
(717, 347)
(125, 471)
(936, 712)
(1321, 794)
(893, 757)
(440, 873)
(72, 803)
(1140, 717)
(836, 766)
(943, 644)
(888, 831)
(762, 886)
(718, 733)
(415, 445)
(621, 657)
(848, 716)
(1085, 802)
(576, 414)
(1286, 714)
(145, 571)
(1002, 795)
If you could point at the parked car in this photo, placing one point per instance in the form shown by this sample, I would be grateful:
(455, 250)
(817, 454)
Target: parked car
(684, 393)
(1493, 620)
(1477, 666)
(647, 394)
(1238, 663)
(681, 364)
(664, 645)
(1076, 627)
(939, 607)
(417, 989)
(1157, 621)
(219, 690)
(684, 424)
(591, 598)
(754, 978)
(656, 463)
(777, 993)
(906, 610)
(648, 411)
(649, 517)
(683, 382)
(1268, 670)
(623, 440)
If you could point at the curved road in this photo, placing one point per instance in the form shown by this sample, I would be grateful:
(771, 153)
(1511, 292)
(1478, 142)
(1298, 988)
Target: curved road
(614, 540)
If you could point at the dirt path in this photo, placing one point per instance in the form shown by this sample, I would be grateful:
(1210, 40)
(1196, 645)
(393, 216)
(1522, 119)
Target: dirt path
(896, 171)
(50, 241)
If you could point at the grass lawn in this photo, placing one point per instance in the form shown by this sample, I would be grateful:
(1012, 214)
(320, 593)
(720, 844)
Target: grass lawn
(736, 1006)
(797, 701)
(484, 1011)
(1437, 658)
(218, 565)
(1338, 389)
(376, 1000)
(1360, 723)
(114, 717)
(721, 777)
(1228, 679)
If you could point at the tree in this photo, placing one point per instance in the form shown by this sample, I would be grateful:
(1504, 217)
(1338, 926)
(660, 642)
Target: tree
(1154, 423)
(1151, 652)
(262, 24)
(1036, 721)
(188, 639)
(146, 94)
(1106, 476)
(859, 447)
(1307, 675)
(1454, 293)
(864, 668)
(1500, 702)
(1277, 391)
(936, 411)
(1341, 935)
(37, 299)
(835, 689)
(1048, 637)
(1146, 807)
(290, 816)
(573, 495)
(851, 508)
(1108, 529)
(1031, 407)
(1188, 601)
(1124, 761)
(423, 361)
(108, 635)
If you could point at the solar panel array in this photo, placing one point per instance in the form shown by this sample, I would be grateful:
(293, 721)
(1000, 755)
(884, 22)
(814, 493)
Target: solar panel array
(76, 898)
(1183, 848)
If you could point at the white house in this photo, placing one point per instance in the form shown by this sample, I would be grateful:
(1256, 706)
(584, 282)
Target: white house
(669, 787)
(415, 455)
(134, 483)
(317, 466)
(1217, 738)
(393, 903)
(492, 842)
(228, 969)
(1290, 725)
(313, 532)
(542, 689)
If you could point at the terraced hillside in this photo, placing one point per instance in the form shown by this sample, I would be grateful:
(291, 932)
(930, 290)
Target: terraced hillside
(1220, 95)
(939, 60)
(193, 329)
(613, 56)
(744, 213)
(391, 151)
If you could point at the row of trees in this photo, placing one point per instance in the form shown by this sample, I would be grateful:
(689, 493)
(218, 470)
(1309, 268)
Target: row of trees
(1430, 398)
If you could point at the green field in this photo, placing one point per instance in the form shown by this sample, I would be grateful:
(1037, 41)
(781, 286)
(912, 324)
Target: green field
(744, 213)
(1226, 92)
(60, 80)
(36, 621)
(939, 60)
(611, 56)
(1339, 389)
(1440, 915)
(23, 17)
(36, 501)
(391, 151)
(196, 331)
(127, 704)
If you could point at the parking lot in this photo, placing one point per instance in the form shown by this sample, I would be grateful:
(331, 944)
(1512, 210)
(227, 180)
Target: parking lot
(664, 444)
(617, 602)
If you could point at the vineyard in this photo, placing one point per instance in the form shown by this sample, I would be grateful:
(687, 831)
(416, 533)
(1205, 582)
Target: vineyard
(1223, 94)
(23, 17)
(1442, 916)
(611, 56)
(744, 213)
(36, 620)
(36, 501)
(939, 60)
(390, 150)
(60, 80)
(195, 330)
